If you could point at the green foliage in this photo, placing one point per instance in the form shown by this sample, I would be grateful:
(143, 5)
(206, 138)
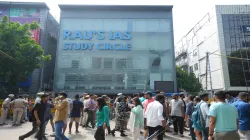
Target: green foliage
(19, 53)
(187, 81)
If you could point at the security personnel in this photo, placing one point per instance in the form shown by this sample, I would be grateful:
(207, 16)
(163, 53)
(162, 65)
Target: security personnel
(5, 109)
(25, 109)
(19, 104)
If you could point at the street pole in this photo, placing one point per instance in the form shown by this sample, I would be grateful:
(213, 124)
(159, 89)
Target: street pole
(206, 68)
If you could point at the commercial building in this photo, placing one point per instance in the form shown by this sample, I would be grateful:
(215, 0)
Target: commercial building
(46, 36)
(111, 48)
(224, 35)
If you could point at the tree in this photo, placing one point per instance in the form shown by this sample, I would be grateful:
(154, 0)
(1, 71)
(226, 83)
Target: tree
(20, 55)
(187, 81)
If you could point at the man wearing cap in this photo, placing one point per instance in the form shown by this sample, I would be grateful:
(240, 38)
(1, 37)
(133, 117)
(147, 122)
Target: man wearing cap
(19, 105)
(5, 108)
(177, 114)
(223, 119)
(38, 119)
(204, 112)
(243, 108)
(38, 98)
(61, 115)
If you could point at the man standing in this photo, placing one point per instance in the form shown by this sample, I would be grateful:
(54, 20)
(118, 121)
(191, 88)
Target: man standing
(142, 97)
(230, 99)
(5, 108)
(204, 112)
(76, 113)
(19, 105)
(148, 100)
(91, 110)
(177, 114)
(243, 108)
(38, 114)
(188, 116)
(85, 111)
(154, 117)
(82, 100)
(223, 119)
(61, 114)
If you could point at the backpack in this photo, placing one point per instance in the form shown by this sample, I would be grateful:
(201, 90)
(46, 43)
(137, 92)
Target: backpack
(31, 116)
(196, 118)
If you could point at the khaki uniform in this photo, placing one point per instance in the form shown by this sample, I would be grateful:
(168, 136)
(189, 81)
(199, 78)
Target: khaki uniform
(4, 110)
(19, 105)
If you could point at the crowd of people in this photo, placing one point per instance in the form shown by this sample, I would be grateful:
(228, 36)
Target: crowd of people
(141, 114)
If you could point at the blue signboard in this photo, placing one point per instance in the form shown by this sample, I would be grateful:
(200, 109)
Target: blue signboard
(98, 35)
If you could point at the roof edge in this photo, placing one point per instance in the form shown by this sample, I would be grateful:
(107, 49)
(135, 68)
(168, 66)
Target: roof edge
(74, 6)
(16, 3)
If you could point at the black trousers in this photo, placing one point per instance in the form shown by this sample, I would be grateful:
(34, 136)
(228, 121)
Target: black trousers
(42, 128)
(191, 129)
(100, 133)
(178, 123)
(152, 130)
(90, 118)
(35, 128)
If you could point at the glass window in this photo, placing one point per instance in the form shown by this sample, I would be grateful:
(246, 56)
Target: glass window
(95, 77)
(75, 64)
(196, 66)
(121, 63)
(191, 69)
(237, 46)
(119, 78)
(107, 77)
(96, 62)
(108, 63)
(151, 47)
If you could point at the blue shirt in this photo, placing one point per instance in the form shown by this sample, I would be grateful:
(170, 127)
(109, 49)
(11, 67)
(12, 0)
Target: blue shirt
(244, 114)
(189, 110)
(232, 100)
(226, 116)
(76, 110)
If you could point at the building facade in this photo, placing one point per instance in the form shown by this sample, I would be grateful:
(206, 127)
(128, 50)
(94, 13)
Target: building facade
(216, 49)
(46, 36)
(110, 49)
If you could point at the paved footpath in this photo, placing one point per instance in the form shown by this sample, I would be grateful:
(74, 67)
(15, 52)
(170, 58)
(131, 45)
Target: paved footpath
(9, 132)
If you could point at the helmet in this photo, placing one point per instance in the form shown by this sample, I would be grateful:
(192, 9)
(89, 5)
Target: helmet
(11, 95)
(39, 94)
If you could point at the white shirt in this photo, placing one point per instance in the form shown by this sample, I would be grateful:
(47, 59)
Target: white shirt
(86, 103)
(176, 107)
(38, 100)
(69, 105)
(6, 102)
(154, 114)
(205, 112)
(82, 99)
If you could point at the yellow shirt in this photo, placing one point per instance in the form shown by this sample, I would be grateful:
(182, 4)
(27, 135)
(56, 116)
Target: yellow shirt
(61, 113)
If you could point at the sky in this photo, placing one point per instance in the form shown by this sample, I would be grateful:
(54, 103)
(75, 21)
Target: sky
(186, 13)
